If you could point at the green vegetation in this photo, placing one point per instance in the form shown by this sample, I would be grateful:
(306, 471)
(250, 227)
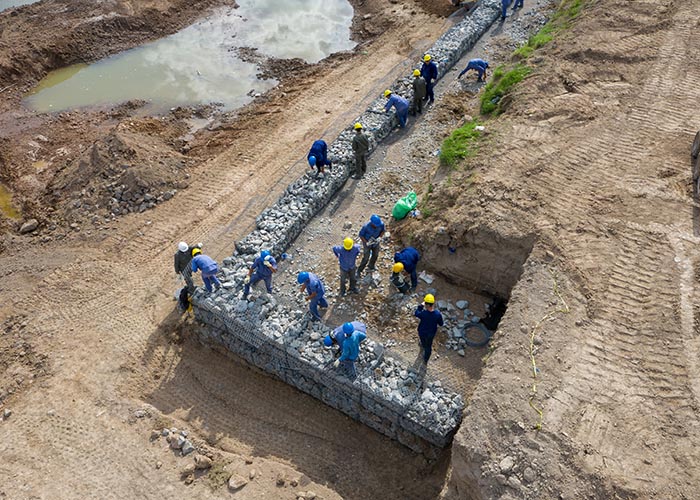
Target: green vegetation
(568, 10)
(461, 144)
(500, 85)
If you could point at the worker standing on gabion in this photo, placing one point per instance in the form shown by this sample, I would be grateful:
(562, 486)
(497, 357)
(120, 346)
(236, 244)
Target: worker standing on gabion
(409, 257)
(262, 269)
(347, 258)
(430, 319)
(478, 65)
(420, 90)
(313, 286)
(400, 105)
(351, 348)
(360, 145)
(370, 235)
(209, 268)
(397, 278)
(429, 71)
(183, 256)
(318, 157)
(338, 335)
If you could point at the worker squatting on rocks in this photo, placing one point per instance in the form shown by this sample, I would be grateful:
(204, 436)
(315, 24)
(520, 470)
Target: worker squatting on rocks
(419, 92)
(347, 258)
(370, 235)
(183, 257)
(429, 71)
(430, 319)
(400, 105)
(360, 145)
(209, 268)
(351, 349)
(318, 157)
(313, 286)
(262, 269)
(409, 257)
(337, 336)
(478, 65)
(397, 278)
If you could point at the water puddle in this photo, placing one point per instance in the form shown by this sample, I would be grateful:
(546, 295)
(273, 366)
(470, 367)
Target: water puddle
(6, 207)
(199, 64)
(6, 4)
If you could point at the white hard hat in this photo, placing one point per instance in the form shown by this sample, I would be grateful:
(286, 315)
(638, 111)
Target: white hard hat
(182, 246)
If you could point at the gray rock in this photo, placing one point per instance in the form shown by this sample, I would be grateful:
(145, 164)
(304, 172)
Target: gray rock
(6, 414)
(529, 475)
(462, 304)
(515, 483)
(506, 465)
(187, 448)
(29, 226)
(202, 462)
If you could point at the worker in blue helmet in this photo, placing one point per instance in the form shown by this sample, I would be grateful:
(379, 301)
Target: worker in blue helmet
(318, 157)
(351, 347)
(409, 257)
(478, 65)
(337, 336)
(370, 235)
(315, 293)
(264, 266)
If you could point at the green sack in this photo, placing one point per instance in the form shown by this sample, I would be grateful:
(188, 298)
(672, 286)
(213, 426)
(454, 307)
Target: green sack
(405, 205)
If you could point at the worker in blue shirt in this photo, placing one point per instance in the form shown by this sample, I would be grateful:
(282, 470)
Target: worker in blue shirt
(400, 105)
(262, 269)
(409, 257)
(209, 268)
(313, 286)
(476, 64)
(370, 234)
(338, 335)
(351, 349)
(347, 258)
(430, 319)
(429, 71)
(318, 156)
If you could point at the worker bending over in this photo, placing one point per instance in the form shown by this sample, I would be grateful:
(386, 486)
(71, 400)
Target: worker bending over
(315, 293)
(400, 105)
(409, 257)
(209, 268)
(478, 65)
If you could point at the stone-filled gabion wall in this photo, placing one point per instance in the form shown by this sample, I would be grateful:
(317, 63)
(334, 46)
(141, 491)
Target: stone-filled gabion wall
(279, 339)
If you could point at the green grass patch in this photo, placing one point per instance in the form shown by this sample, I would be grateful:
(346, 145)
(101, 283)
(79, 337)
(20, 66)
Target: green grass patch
(500, 85)
(461, 144)
(561, 19)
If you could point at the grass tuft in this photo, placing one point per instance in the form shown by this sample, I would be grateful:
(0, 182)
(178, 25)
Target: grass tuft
(460, 144)
(499, 86)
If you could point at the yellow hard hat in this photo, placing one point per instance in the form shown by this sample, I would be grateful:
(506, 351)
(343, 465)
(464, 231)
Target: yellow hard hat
(358, 126)
(387, 93)
(398, 267)
(429, 299)
(416, 72)
(195, 251)
(348, 243)
(426, 57)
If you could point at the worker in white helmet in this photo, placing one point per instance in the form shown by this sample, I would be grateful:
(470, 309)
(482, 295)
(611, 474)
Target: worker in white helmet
(183, 256)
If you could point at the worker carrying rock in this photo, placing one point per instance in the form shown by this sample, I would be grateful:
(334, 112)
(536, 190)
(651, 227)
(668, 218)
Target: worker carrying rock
(313, 286)
(264, 266)
(351, 348)
(420, 90)
(409, 257)
(318, 157)
(370, 235)
(183, 257)
(400, 105)
(337, 336)
(430, 319)
(347, 259)
(397, 278)
(360, 146)
(478, 65)
(209, 268)
(429, 71)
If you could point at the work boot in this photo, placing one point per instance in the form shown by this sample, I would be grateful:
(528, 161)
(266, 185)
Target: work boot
(354, 291)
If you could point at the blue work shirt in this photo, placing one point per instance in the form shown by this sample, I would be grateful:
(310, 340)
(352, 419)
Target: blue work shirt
(429, 71)
(339, 334)
(369, 231)
(351, 346)
(261, 269)
(429, 321)
(315, 285)
(398, 102)
(204, 263)
(319, 149)
(347, 258)
(409, 257)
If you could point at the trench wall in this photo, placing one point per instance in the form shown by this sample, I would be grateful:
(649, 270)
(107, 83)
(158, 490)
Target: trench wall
(278, 338)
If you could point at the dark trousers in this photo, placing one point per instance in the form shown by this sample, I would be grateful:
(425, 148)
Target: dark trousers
(430, 97)
(414, 279)
(348, 275)
(370, 255)
(187, 275)
(360, 164)
(426, 342)
(417, 105)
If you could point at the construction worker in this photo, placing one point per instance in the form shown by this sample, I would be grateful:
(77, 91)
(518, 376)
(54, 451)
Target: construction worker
(518, 4)
(318, 157)
(476, 64)
(419, 92)
(430, 319)
(370, 234)
(337, 336)
(360, 145)
(264, 266)
(504, 9)
(409, 257)
(351, 349)
(347, 258)
(397, 278)
(429, 72)
(400, 105)
(209, 268)
(313, 286)
(183, 256)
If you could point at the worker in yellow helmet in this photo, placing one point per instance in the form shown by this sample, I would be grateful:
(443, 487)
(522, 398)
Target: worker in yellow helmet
(347, 259)
(398, 280)
(360, 145)
(420, 90)
(430, 319)
(429, 71)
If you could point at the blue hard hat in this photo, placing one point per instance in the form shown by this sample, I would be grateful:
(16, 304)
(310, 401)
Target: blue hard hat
(375, 220)
(264, 254)
(302, 277)
(312, 161)
(348, 328)
(327, 341)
